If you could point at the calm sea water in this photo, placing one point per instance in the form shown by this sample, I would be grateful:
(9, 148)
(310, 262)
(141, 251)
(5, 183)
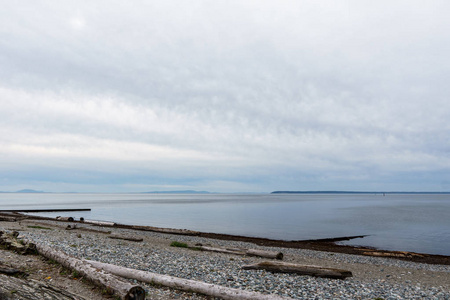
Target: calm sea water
(407, 222)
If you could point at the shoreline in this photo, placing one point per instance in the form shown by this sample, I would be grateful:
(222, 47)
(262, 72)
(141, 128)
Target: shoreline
(373, 277)
(326, 245)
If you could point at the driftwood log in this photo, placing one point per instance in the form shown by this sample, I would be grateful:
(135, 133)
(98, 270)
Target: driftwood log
(249, 252)
(100, 223)
(185, 284)
(16, 288)
(7, 270)
(162, 230)
(395, 254)
(125, 237)
(70, 219)
(119, 287)
(8, 218)
(282, 267)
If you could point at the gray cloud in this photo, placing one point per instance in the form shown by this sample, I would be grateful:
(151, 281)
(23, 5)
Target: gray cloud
(229, 96)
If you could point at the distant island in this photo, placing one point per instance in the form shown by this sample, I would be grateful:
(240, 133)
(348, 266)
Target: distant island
(25, 191)
(177, 192)
(352, 192)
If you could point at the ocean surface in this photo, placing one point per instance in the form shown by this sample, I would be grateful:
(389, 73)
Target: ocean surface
(405, 222)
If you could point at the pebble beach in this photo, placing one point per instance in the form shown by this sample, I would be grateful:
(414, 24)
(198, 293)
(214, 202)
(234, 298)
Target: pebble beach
(373, 277)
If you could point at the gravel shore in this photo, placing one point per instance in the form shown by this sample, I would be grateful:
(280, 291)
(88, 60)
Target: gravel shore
(373, 277)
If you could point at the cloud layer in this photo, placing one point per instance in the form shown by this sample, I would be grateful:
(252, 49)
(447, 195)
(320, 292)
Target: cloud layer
(227, 95)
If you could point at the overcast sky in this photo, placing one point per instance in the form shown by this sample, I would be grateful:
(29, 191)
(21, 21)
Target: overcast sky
(225, 96)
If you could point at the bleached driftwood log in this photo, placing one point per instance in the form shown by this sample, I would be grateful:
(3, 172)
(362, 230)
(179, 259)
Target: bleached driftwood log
(249, 252)
(185, 284)
(100, 223)
(16, 288)
(282, 267)
(124, 289)
(125, 237)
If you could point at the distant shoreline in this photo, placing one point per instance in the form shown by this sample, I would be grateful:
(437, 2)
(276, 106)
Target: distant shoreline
(354, 192)
(193, 192)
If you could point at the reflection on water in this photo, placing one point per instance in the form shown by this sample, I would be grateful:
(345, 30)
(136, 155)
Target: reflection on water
(411, 222)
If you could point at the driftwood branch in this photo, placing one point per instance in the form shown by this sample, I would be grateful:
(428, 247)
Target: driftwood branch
(16, 288)
(184, 284)
(124, 289)
(282, 267)
(249, 252)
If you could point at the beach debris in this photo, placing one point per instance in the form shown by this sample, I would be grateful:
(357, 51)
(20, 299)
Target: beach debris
(126, 237)
(395, 254)
(118, 286)
(10, 242)
(71, 227)
(208, 289)
(283, 267)
(242, 251)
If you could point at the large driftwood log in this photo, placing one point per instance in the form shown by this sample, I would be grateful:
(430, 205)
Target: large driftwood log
(16, 288)
(124, 289)
(185, 284)
(282, 267)
(249, 252)
(8, 219)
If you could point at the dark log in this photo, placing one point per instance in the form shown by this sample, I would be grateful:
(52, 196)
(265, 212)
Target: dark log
(70, 219)
(8, 219)
(16, 288)
(395, 254)
(282, 267)
(45, 210)
(10, 271)
(238, 251)
(125, 237)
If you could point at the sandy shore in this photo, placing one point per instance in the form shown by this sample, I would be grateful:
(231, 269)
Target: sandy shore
(386, 278)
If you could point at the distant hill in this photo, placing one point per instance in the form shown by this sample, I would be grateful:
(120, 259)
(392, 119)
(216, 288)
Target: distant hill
(177, 192)
(29, 191)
